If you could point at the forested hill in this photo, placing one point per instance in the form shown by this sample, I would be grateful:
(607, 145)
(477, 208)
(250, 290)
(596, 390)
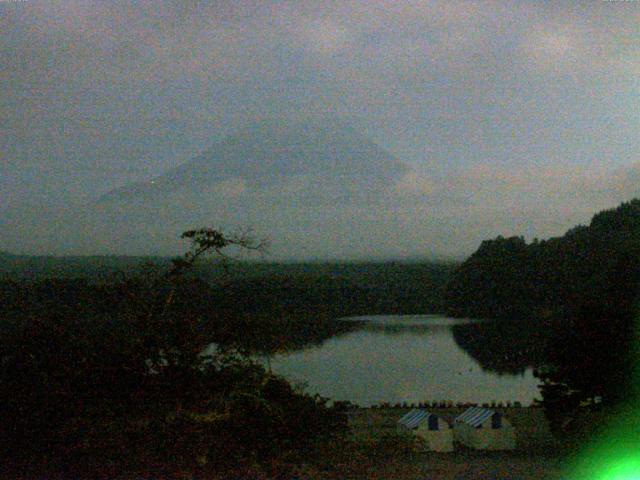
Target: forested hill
(591, 270)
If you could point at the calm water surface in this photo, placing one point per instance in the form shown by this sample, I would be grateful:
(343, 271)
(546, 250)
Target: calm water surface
(401, 359)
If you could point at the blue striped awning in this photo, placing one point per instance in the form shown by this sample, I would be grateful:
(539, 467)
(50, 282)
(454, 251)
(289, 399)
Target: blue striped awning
(416, 416)
(475, 416)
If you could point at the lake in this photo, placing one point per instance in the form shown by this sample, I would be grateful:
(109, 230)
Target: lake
(406, 358)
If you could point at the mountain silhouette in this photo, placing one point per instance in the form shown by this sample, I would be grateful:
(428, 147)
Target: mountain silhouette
(317, 188)
(269, 153)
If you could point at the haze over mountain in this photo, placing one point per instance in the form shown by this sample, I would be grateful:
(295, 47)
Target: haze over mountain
(272, 152)
(319, 189)
(316, 188)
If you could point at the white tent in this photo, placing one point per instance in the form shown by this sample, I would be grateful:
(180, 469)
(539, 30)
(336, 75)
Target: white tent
(434, 430)
(484, 429)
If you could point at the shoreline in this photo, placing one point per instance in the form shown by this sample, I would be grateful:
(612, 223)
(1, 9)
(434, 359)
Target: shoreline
(532, 428)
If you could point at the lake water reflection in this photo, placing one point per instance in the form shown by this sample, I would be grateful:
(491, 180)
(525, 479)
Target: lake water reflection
(402, 359)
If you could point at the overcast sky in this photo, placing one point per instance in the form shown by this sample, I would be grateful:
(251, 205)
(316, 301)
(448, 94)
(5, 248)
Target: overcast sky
(527, 98)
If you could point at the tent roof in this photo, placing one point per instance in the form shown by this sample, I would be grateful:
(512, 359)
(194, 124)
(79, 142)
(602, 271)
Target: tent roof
(417, 416)
(475, 416)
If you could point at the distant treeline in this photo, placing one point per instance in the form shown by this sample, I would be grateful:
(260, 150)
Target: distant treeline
(591, 269)
(38, 267)
(258, 306)
(329, 289)
(341, 290)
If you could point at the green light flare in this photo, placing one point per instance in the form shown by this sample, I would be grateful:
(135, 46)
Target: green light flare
(615, 454)
(627, 469)
(608, 461)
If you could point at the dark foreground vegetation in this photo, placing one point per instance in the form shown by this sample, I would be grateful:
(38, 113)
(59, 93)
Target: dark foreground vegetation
(578, 295)
(108, 380)
(103, 374)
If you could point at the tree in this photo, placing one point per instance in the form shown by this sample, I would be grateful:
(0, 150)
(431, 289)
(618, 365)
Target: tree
(111, 378)
(173, 330)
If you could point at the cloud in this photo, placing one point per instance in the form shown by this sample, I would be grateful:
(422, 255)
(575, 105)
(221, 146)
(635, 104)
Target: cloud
(421, 216)
(547, 47)
(324, 36)
(502, 109)
(413, 183)
(232, 188)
